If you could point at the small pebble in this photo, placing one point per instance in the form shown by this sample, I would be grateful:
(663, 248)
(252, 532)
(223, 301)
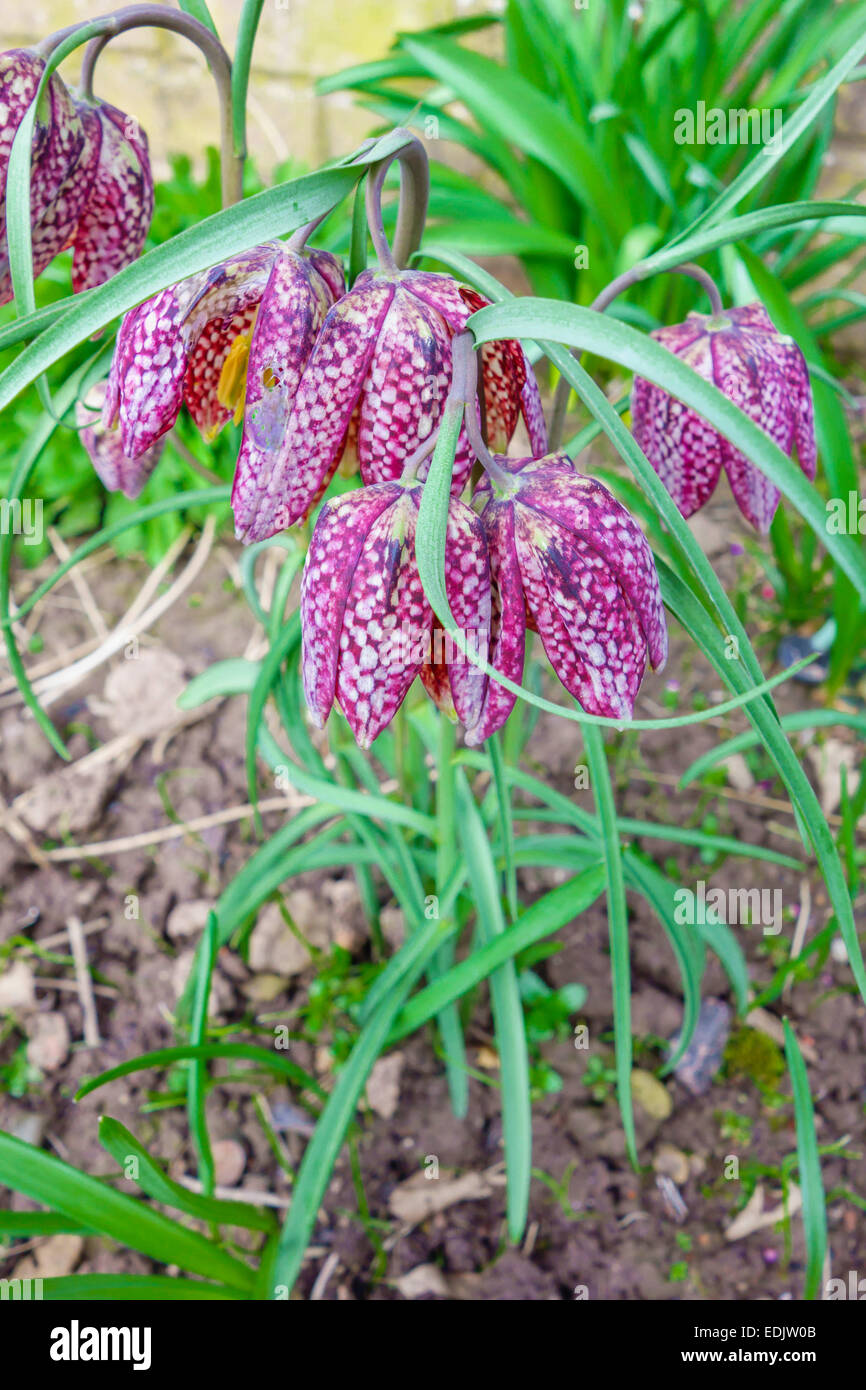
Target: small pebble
(230, 1160)
(48, 1047)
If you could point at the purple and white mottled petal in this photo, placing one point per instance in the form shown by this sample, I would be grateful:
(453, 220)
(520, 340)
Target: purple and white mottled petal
(293, 308)
(341, 530)
(589, 629)
(105, 449)
(679, 337)
(763, 372)
(467, 584)
(115, 219)
(148, 378)
(586, 508)
(322, 412)
(800, 397)
(20, 74)
(748, 370)
(507, 621)
(434, 673)
(232, 285)
(405, 387)
(145, 384)
(752, 315)
(386, 623)
(509, 388)
(59, 182)
(330, 269)
(442, 293)
(683, 448)
(533, 412)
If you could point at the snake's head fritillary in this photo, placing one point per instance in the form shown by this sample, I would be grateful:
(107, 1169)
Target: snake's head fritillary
(764, 373)
(116, 215)
(367, 626)
(105, 448)
(567, 559)
(375, 386)
(90, 182)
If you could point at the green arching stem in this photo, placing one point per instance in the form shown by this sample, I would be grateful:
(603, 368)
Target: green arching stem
(464, 388)
(157, 16)
(630, 277)
(600, 303)
(412, 212)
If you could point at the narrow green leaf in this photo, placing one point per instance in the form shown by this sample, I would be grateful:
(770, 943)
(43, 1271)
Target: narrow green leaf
(758, 168)
(554, 910)
(809, 1166)
(155, 1183)
(207, 1052)
(197, 1085)
(510, 1028)
(247, 29)
(114, 1288)
(76, 1195)
(791, 723)
(617, 919)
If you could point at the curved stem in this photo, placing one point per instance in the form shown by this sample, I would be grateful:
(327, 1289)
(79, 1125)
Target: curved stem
(412, 211)
(298, 240)
(413, 463)
(601, 302)
(630, 277)
(157, 16)
(464, 387)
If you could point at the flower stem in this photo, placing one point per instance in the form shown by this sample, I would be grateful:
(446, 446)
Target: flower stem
(157, 16)
(631, 277)
(412, 211)
(601, 302)
(464, 388)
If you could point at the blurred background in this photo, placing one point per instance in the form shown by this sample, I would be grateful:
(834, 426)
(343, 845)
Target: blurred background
(298, 42)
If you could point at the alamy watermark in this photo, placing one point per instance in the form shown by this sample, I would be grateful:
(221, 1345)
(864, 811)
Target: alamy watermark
(846, 516)
(22, 517)
(734, 906)
(714, 125)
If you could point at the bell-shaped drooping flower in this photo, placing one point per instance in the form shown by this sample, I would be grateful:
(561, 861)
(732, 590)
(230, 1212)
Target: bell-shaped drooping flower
(192, 344)
(116, 215)
(90, 181)
(105, 449)
(761, 371)
(376, 383)
(365, 620)
(567, 559)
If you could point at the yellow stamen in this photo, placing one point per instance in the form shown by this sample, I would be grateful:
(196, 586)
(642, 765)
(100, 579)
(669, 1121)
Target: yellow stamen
(232, 385)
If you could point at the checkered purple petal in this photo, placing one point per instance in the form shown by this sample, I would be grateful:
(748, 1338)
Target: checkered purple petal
(467, 584)
(583, 506)
(116, 216)
(405, 387)
(589, 628)
(105, 449)
(507, 623)
(322, 412)
(341, 531)
(292, 311)
(386, 622)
